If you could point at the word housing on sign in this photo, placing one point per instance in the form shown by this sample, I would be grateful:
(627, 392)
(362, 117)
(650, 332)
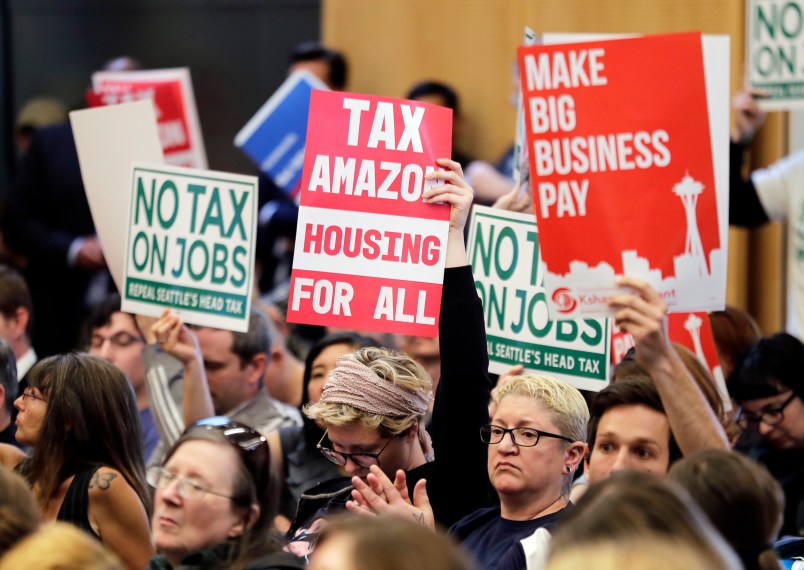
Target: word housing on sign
(369, 252)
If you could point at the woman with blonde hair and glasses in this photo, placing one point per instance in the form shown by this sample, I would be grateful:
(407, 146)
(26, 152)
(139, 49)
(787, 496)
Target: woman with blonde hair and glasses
(536, 442)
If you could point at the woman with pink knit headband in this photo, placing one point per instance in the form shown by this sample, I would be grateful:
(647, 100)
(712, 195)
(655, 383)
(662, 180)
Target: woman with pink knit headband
(375, 400)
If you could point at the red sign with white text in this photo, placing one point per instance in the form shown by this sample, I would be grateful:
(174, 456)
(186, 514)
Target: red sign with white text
(172, 94)
(369, 252)
(691, 330)
(621, 167)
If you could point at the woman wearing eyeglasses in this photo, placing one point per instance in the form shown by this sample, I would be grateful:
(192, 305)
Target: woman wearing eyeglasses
(535, 443)
(79, 417)
(374, 403)
(215, 501)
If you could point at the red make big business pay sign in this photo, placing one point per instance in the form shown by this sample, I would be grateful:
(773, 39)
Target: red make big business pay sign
(621, 162)
(369, 253)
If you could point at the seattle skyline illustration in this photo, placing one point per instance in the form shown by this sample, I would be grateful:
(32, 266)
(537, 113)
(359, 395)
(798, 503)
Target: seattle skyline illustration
(693, 326)
(696, 279)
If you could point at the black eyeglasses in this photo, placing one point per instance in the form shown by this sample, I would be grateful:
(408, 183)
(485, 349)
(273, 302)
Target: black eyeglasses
(364, 460)
(521, 436)
(769, 417)
(188, 487)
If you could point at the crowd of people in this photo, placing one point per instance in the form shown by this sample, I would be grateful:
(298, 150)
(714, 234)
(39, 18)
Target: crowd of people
(151, 443)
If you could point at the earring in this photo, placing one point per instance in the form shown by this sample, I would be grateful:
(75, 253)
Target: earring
(569, 469)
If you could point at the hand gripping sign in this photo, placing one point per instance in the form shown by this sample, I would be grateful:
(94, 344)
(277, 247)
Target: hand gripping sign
(369, 253)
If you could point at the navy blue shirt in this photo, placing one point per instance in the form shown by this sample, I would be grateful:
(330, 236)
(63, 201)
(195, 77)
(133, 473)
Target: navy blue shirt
(487, 536)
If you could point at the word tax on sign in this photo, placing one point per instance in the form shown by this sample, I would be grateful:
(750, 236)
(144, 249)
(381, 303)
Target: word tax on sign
(370, 253)
(503, 248)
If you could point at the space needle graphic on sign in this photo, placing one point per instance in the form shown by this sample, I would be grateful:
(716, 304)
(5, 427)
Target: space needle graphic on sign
(693, 278)
(689, 190)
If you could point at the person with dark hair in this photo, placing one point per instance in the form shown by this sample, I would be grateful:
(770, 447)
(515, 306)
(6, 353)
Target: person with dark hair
(662, 401)
(211, 371)
(216, 500)
(742, 500)
(327, 64)
(16, 320)
(297, 460)
(438, 93)
(768, 386)
(628, 429)
(79, 418)
(114, 336)
(8, 393)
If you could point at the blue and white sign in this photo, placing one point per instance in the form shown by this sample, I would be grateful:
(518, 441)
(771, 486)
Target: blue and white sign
(274, 137)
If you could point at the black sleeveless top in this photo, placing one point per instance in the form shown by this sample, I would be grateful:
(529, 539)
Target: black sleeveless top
(75, 508)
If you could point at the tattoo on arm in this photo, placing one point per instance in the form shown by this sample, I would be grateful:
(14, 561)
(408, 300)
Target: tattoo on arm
(419, 518)
(101, 480)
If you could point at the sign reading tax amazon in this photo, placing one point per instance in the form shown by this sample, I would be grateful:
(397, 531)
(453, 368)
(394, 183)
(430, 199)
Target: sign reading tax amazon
(190, 245)
(369, 252)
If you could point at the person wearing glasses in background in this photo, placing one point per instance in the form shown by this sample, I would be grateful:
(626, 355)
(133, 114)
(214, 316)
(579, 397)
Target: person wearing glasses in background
(215, 501)
(374, 403)
(79, 417)
(114, 336)
(768, 386)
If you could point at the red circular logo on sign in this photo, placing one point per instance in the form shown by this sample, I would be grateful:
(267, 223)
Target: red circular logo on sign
(564, 300)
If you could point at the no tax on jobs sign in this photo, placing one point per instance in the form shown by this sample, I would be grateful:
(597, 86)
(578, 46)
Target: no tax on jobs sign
(190, 245)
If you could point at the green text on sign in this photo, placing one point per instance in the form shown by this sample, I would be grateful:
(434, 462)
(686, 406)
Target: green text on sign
(180, 297)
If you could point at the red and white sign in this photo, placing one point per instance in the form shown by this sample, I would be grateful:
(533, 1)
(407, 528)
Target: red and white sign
(369, 253)
(171, 90)
(621, 168)
(691, 330)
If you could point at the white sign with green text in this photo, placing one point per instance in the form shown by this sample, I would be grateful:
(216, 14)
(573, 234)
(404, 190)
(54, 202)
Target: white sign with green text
(775, 52)
(503, 249)
(190, 245)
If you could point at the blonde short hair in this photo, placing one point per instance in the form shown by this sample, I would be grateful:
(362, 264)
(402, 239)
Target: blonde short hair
(391, 366)
(60, 546)
(568, 409)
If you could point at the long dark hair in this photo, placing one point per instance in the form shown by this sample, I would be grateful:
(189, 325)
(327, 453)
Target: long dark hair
(254, 484)
(91, 419)
(313, 433)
